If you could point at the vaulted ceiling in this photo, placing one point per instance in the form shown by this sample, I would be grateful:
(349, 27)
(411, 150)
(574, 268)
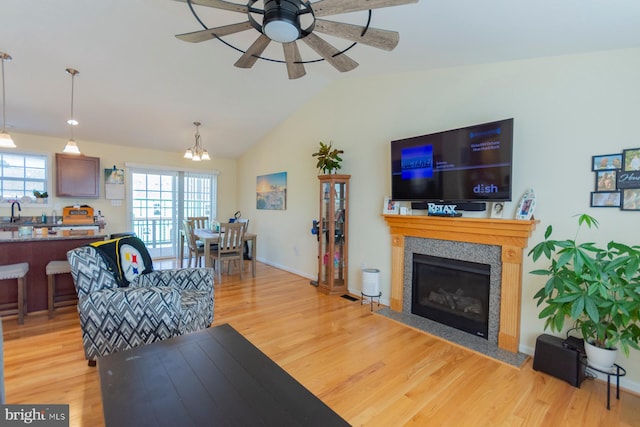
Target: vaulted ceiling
(140, 85)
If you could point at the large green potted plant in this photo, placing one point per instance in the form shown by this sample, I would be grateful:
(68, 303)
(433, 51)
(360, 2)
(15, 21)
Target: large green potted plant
(328, 158)
(598, 288)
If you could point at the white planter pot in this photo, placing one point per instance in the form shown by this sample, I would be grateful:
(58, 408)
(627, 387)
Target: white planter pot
(600, 358)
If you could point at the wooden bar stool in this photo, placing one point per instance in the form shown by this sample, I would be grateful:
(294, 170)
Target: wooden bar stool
(17, 271)
(53, 268)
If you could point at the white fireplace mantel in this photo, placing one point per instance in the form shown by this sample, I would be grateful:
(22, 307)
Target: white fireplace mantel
(511, 235)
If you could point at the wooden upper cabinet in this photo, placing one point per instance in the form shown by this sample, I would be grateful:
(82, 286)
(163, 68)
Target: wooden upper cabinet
(77, 176)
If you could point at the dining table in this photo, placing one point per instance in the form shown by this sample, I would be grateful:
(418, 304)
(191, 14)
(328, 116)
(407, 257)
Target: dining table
(209, 237)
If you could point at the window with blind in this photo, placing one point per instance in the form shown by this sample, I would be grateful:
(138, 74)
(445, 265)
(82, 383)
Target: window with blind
(21, 174)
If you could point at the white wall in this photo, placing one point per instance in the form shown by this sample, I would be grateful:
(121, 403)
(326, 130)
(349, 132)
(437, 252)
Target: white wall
(110, 155)
(566, 109)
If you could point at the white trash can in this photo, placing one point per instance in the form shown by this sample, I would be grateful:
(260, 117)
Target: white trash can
(370, 282)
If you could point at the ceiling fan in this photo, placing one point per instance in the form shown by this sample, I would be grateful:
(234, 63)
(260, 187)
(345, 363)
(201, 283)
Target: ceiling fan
(286, 21)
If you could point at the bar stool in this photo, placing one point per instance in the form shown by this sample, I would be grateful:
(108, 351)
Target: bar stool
(17, 271)
(53, 268)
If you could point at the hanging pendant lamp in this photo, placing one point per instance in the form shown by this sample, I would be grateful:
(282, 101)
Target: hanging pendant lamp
(5, 138)
(72, 147)
(197, 153)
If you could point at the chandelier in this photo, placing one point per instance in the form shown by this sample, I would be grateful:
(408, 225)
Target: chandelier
(197, 153)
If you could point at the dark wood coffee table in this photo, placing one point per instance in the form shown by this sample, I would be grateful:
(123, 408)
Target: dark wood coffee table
(214, 377)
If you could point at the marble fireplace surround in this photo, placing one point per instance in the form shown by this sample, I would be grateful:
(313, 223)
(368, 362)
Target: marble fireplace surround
(509, 236)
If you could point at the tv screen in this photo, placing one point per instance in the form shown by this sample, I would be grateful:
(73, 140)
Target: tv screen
(460, 165)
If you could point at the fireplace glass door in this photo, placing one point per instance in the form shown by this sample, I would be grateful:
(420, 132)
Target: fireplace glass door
(452, 292)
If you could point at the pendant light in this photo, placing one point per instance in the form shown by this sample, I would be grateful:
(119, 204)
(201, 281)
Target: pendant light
(197, 153)
(5, 138)
(72, 147)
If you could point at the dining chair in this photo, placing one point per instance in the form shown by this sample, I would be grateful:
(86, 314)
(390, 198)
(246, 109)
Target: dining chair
(247, 252)
(230, 247)
(196, 248)
(199, 222)
(245, 223)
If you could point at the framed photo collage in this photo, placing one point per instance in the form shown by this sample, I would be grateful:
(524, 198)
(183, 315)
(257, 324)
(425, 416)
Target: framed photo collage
(617, 180)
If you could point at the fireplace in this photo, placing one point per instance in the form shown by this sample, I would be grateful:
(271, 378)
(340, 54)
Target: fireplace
(452, 292)
(508, 237)
(485, 264)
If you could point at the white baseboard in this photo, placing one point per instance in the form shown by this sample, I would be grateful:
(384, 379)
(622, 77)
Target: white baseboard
(286, 268)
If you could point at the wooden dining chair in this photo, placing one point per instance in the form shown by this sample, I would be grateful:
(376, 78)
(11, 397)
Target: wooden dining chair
(196, 248)
(230, 247)
(244, 222)
(199, 222)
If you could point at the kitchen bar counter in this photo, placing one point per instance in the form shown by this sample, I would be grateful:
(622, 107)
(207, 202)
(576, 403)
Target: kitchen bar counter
(14, 236)
(38, 250)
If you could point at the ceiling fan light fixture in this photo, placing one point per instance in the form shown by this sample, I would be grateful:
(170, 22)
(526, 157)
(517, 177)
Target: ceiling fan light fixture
(281, 22)
(281, 31)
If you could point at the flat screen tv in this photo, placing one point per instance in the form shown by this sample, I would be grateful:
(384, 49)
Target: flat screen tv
(470, 164)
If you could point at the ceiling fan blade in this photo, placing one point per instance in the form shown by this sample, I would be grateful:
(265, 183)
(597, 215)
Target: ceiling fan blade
(382, 39)
(341, 62)
(210, 33)
(295, 69)
(255, 50)
(220, 4)
(335, 7)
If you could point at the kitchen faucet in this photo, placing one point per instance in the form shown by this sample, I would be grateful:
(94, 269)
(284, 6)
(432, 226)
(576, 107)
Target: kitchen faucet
(13, 217)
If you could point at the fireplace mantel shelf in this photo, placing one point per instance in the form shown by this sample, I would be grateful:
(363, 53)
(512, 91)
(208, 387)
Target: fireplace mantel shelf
(511, 235)
(485, 231)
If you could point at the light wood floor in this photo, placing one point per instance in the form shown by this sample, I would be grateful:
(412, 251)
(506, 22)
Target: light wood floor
(369, 369)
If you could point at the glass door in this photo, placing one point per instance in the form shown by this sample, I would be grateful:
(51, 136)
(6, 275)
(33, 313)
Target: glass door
(161, 199)
(154, 211)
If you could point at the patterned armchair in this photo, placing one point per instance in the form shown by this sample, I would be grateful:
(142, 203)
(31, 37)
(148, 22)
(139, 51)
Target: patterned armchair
(123, 303)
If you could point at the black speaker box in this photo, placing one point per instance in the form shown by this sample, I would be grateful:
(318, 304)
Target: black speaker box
(554, 357)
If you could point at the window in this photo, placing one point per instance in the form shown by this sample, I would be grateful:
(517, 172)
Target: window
(21, 174)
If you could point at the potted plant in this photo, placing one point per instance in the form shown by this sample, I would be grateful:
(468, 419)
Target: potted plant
(598, 288)
(328, 158)
(41, 197)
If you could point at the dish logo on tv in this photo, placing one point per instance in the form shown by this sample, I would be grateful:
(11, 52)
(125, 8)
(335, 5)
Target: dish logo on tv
(482, 189)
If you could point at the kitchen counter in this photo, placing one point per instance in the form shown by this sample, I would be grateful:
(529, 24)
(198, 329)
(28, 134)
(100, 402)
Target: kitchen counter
(38, 250)
(14, 236)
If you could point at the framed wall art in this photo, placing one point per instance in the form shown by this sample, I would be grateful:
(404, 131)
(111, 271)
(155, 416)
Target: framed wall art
(631, 160)
(605, 199)
(271, 191)
(606, 180)
(630, 199)
(606, 162)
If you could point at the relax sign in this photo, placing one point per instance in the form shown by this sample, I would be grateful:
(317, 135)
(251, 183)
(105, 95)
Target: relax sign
(441, 209)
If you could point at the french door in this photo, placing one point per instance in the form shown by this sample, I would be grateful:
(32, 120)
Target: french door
(160, 199)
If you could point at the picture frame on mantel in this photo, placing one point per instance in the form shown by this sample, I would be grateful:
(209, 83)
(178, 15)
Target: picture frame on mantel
(527, 205)
(390, 207)
(497, 208)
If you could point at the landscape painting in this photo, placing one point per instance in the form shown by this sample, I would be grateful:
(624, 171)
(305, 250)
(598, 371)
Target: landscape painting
(271, 191)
